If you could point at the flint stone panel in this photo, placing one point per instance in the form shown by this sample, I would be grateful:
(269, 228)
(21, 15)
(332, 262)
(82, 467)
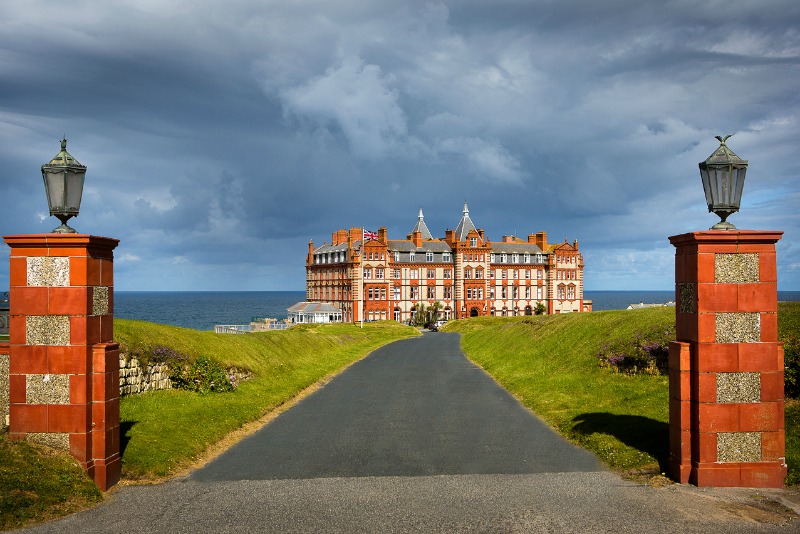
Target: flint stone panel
(47, 330)
(100, 300)
(738, 387)
(739, 447)
(738, 327)
(736, 268)
(686, 298)
(4, 390)
(47, 389)
(48, 271)
(56, 440)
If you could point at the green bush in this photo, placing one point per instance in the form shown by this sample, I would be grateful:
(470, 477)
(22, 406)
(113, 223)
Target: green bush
(203, 375)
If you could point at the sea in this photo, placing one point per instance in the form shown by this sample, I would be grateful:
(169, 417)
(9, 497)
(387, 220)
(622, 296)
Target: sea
(201, 310)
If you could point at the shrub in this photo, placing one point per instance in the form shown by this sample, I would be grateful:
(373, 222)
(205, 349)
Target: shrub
(647, 353)
(203, 375)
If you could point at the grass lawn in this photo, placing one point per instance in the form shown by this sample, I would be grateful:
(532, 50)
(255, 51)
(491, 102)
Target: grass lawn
(165, 432)
(38, 483)
(549, 363)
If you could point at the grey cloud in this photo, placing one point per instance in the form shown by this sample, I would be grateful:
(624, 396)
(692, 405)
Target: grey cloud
(220, 139)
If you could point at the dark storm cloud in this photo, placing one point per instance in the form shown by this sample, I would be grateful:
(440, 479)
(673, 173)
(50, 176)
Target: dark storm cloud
(221, 136)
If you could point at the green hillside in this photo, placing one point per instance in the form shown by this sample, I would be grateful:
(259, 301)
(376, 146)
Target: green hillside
(550, 364)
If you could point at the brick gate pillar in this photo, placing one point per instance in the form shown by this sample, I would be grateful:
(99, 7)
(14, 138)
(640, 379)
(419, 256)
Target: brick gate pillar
(726, 367)
(63, 363)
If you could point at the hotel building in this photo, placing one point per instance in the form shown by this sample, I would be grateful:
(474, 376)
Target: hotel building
(469, 275)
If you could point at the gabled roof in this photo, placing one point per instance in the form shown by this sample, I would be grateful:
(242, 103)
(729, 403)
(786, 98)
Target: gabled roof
(421, 227)
(330, 248)
(465, 225)
(565, 245)
(409, 246)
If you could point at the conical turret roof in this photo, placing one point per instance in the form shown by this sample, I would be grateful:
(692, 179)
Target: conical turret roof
(465, 225)
(421, 227)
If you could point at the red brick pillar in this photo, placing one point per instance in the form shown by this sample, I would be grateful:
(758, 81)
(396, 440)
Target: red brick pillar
(64, 365)
(726, 366)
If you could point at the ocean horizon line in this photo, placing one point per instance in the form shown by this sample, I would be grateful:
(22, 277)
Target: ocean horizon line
(303, 290)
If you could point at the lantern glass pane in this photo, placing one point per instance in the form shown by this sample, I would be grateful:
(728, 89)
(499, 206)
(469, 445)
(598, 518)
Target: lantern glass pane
(74, 190)
(738, 185)
(55, 191)
(704, 174)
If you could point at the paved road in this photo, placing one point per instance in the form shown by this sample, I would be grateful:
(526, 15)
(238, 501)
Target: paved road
(413, 438)
(415, 407)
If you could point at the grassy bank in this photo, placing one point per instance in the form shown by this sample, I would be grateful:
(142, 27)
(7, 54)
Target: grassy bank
(165, 432)
(38, 483)
(550, 364)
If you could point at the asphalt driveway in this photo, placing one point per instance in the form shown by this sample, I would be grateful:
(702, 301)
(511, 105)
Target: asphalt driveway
(414, 438)
(414, 407)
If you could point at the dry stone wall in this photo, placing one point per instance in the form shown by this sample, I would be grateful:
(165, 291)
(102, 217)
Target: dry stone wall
(135, 378)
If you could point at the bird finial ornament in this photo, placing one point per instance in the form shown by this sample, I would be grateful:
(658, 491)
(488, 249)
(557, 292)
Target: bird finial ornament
(723, 139)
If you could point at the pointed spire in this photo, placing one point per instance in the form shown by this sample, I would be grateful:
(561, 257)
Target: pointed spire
(421, 227)
(465, 225)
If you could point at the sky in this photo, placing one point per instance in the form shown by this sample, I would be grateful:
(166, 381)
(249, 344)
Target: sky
(222, 136)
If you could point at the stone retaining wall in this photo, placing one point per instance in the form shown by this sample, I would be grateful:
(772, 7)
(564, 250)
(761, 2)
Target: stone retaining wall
(133, 378)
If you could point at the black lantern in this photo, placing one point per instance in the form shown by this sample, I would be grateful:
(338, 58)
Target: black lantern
(63, 183)
(723, 180)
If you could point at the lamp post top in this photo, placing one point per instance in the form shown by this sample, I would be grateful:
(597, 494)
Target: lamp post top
(723, 155)
(63, 158)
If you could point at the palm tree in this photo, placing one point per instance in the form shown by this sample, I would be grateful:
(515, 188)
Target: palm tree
(433, 311)
(418, 316)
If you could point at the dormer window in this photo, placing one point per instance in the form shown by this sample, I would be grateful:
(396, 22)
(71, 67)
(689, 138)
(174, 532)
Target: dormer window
(446, 256)
(515, 258)
(503, 258)
(429, 256)
(396, 255)
(411, 256)
(473, 241)
(491, 258)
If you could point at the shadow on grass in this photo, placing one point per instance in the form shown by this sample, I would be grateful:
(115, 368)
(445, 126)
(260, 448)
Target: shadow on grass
(124, 438)
(642, 433)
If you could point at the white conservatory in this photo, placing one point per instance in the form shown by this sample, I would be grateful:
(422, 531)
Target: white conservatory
(314, 312)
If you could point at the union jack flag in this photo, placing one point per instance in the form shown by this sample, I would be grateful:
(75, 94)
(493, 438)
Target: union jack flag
(370, 236)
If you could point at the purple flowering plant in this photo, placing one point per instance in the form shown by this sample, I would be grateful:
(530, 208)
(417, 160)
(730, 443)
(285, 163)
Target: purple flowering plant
(647, 353)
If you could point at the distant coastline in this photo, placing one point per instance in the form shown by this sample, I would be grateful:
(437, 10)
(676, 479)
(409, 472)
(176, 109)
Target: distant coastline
(201, 310)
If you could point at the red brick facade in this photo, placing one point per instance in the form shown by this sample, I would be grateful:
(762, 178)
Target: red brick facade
(63, 362)
(726, 367)
(465, 272)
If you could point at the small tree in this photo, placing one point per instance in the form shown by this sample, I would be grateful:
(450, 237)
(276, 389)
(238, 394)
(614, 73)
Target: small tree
(540, 309)
(433, 311)
(419, 317)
